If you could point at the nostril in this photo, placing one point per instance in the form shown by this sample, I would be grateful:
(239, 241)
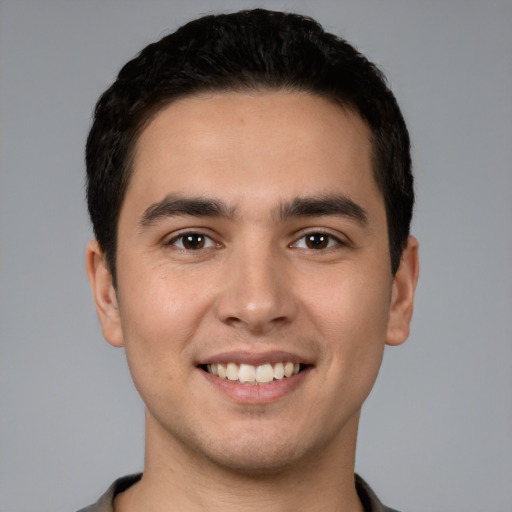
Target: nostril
(233, 321)
(256, 324)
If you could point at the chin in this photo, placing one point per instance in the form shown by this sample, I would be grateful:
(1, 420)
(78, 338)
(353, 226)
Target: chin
(261, 452)
(255, 461)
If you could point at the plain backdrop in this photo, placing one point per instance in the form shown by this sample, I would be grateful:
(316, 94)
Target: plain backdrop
(436, 432)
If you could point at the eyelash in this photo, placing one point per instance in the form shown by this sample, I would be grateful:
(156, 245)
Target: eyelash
(182, 236)
(332, 241)
(207, 242)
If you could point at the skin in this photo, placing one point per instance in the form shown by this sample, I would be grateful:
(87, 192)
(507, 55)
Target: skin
(255, 287)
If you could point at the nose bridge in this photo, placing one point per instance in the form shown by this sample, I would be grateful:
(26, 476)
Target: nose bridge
(257, 294)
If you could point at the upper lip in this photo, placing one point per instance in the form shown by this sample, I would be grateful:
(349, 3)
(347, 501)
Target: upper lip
(254, 358)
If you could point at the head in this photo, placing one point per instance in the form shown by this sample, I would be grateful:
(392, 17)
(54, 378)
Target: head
(246, 51)
(250, 189)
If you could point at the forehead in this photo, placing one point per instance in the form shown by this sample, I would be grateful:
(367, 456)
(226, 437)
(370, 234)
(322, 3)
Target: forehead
(240, 146)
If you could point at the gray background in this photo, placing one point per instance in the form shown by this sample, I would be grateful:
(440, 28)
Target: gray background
(436, 431)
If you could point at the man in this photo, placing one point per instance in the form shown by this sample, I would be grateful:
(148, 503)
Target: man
(250, 188)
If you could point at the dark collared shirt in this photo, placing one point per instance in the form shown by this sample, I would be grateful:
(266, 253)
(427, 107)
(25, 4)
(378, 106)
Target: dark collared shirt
(106, 503)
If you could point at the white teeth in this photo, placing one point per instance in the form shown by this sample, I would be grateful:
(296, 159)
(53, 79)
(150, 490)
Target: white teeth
(265, 373)
(249, 374)
(232, 371)
(221, 370)
(279, 371)
(288, 369)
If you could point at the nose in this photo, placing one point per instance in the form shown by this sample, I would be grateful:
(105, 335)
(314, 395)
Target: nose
(257, 294)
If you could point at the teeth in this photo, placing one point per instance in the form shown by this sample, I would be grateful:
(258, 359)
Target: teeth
(249, 374)
(288, 369)
(246, 373)
(279, 371)
(264, 373)
(232, 371)
(221, 370)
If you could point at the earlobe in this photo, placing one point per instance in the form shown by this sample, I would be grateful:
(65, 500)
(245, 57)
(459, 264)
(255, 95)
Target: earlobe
(402, 298)
(104, 294)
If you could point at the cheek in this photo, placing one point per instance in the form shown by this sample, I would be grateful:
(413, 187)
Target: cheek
(159, 320)
(350, 300)
(156, 302)
(352, 316)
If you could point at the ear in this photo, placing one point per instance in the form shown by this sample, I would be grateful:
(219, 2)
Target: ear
(402, 295)
(104, 294)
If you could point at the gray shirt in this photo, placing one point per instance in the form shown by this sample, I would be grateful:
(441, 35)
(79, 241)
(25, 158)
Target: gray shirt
(106, 503)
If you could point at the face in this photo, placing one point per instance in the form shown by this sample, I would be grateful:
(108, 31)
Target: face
(254, 290)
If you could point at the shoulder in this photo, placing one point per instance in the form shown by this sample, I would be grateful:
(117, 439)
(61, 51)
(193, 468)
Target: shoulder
(106, 501)
(369, 499)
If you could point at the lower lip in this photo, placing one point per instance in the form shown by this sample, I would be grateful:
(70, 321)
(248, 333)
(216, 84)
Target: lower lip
(259, 393)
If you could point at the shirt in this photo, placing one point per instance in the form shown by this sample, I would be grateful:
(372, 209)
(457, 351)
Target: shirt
(368, 498)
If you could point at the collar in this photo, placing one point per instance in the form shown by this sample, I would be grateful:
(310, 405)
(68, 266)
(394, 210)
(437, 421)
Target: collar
(106, 503)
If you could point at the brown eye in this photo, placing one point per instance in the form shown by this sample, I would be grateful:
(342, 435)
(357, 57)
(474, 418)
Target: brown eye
(317, 241)
(192, 241)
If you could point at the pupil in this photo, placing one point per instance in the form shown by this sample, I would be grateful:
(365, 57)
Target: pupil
(317, 241)
(193, 241)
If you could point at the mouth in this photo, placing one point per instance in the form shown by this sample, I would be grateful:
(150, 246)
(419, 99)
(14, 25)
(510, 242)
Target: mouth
(252, 375)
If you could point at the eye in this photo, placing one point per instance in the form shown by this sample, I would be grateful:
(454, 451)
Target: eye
(192, 241)
(317, 241)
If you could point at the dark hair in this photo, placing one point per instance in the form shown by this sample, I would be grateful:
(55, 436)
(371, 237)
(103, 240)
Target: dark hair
(247, 50)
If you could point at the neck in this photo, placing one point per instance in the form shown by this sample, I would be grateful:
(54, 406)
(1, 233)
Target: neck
(176, 478)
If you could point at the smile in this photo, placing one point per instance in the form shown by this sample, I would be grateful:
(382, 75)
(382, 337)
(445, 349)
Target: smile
(253, 375)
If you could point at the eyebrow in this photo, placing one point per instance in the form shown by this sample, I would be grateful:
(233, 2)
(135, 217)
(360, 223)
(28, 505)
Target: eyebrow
(335, 204)
(175, 206)
(325, 205)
